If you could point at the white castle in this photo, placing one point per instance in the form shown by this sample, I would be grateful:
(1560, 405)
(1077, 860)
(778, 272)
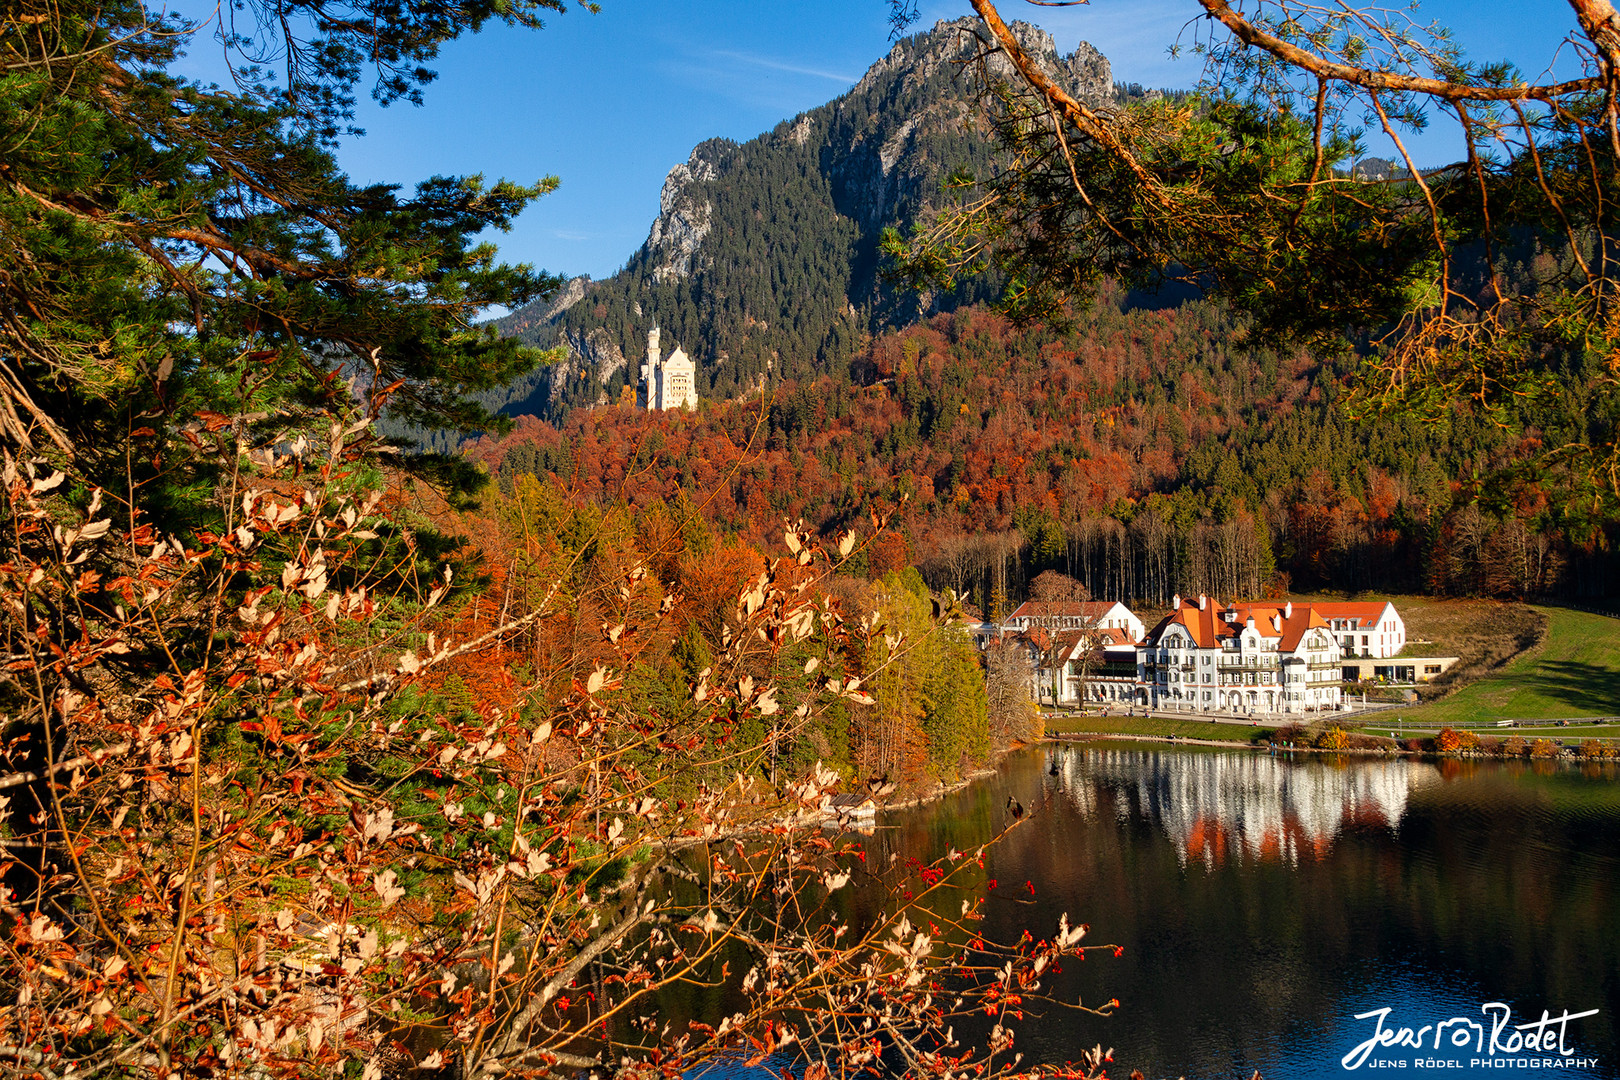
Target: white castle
(666, 384)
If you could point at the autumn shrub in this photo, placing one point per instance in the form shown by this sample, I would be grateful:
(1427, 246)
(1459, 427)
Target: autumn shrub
(1490, 744)
(1332, 737)
(1450, 741)
(1543, 748)
(1515, 746)
(1593, 749)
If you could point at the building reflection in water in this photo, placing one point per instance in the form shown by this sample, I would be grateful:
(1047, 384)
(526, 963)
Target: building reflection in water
(1216, 807)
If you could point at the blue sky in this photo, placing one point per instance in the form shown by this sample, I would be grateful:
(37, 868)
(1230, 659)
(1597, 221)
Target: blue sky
(610, 101)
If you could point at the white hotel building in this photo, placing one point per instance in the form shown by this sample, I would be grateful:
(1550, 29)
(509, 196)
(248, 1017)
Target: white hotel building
(1254, 658)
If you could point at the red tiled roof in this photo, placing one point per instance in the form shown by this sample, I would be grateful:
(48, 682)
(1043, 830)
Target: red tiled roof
(1066, 640)
(1208, 625)
(1367, 614)
(1063, 609)
(1102, 637)
(1035, 637)
(1203, 625)
(1273, 620)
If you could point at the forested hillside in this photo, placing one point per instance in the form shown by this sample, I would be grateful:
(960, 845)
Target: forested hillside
(1144, 452)
(764, 257)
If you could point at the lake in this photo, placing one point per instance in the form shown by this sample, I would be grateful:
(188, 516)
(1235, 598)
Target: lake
(1264, 901)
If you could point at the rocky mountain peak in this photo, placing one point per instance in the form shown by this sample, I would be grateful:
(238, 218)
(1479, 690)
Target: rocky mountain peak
(960, 41)
(1090, 73)
(685, 213)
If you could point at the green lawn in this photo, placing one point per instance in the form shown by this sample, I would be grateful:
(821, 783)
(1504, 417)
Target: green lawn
(1153, 726)
(1574, 672)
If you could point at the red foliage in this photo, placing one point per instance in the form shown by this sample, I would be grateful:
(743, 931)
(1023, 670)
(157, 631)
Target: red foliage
(977, 422)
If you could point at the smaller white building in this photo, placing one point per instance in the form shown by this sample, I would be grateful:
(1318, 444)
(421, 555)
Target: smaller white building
(1057, 616)
(1109, 674)
(1372, 630)
(1083, 660)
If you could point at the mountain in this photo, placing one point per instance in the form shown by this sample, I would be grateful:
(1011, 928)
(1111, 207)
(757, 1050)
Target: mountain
(764, 255)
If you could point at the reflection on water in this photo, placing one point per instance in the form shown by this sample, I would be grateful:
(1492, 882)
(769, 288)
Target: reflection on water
(1215, 806)
(1263, 902)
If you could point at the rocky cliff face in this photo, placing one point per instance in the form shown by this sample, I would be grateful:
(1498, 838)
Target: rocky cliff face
(1091, 75)
(950, 49)
(764, 255)
(683, 217)
(541, 315)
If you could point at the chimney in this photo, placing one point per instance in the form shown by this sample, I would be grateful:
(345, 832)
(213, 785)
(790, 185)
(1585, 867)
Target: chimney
(1203, 601)
(1175, 604)
(1288, 610)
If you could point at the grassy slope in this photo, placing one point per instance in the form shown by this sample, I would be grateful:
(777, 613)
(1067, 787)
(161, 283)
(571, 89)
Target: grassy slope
(1574, 672)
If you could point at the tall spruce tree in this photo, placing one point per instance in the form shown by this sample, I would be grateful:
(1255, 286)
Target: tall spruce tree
(169, 249)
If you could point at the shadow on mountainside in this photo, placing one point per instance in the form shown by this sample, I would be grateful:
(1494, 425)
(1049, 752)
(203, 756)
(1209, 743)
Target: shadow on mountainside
(1583, 687)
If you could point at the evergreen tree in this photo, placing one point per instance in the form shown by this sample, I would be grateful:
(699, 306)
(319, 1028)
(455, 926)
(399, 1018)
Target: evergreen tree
(170, 250)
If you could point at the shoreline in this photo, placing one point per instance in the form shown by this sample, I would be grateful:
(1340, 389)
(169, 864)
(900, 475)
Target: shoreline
(1363, 751)
(1090, 736)
(936, 794)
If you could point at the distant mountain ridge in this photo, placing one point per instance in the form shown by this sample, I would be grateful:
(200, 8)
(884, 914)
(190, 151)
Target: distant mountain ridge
(764, 256)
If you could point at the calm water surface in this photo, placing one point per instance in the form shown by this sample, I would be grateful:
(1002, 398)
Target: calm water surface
(1264, 901)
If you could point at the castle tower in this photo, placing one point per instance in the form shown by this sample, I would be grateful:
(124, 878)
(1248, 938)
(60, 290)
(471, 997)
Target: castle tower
(647, 389)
